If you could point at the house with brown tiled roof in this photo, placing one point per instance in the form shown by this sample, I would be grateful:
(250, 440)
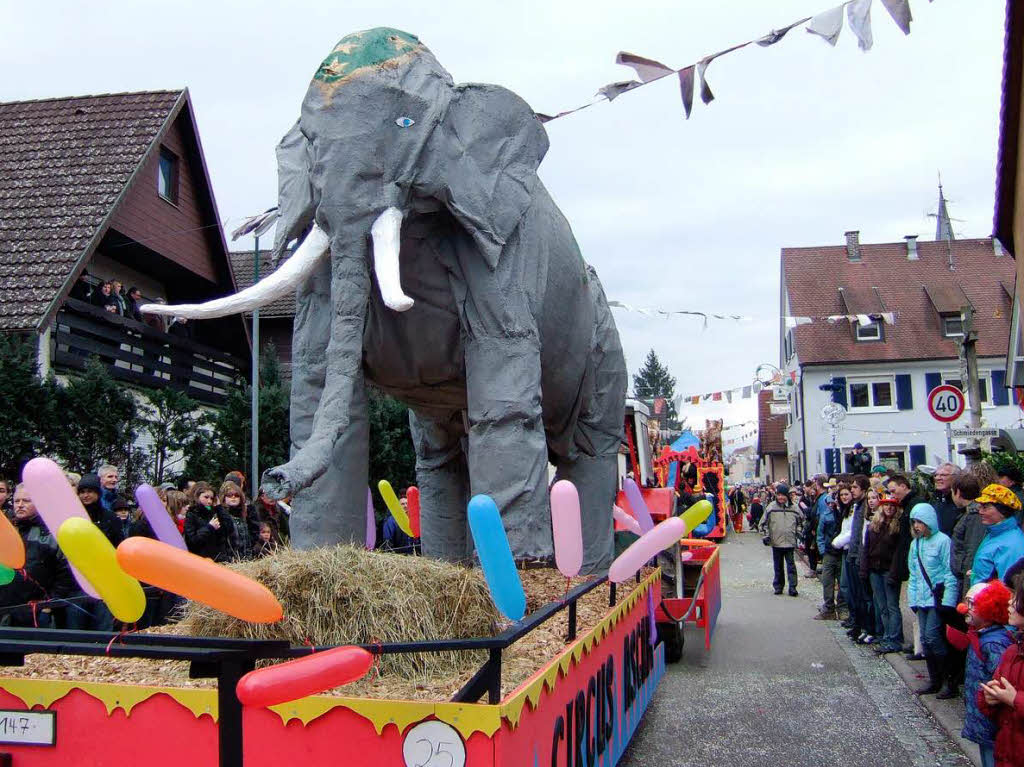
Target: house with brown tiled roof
(772, 465)
(873, 328)
(114, 187)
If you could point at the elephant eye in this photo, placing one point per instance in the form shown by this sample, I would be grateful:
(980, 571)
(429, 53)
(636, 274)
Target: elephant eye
(405, 122)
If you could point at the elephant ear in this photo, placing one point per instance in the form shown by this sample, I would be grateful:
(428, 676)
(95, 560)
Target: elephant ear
(492, 143)
(294, 192)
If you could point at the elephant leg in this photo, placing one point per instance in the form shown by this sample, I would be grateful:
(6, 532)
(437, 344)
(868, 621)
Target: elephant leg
(443, 481)
(508, 457)
(333, 508)
(598, 434)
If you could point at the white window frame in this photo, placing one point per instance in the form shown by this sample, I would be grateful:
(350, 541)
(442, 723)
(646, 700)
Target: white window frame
(983, 375)
(875, 325)
(869, 380)
(905, 449)
(945, 331)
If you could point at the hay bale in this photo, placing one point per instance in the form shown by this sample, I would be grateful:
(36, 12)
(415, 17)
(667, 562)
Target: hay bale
(347, 595)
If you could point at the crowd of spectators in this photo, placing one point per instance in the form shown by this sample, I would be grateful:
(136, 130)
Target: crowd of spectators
(221, 524)
(110, 296)
(954, 557)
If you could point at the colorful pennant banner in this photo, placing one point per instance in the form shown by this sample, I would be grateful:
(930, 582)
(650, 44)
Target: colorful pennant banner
(739, 392)
(827, 25)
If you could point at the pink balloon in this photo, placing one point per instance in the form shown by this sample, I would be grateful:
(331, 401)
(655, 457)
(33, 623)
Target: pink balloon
(159, 520)
(622, 517)
(646, 547)
(371, 522)
(56, 501)
(566, 528)
(637, 505)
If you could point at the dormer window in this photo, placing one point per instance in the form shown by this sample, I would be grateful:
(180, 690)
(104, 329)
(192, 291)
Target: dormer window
(953, 325)
(870, 332)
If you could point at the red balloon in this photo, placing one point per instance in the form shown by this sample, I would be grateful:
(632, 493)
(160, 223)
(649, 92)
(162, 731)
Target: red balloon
(298, 678)
(412, 503)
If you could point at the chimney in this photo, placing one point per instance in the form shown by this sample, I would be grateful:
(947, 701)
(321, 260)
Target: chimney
(911, 247)
(853, 245)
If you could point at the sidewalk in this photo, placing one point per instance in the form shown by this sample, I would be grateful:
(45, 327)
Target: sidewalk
(948, 713)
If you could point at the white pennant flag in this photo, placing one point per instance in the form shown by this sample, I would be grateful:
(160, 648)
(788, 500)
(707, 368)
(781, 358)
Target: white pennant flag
(828, 25)
(858, 13)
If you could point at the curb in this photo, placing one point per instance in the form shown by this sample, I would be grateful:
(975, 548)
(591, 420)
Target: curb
(948, 713)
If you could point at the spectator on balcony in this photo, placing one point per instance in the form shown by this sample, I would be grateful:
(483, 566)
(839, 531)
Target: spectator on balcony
(108, 486)
(116, 289)
(132, 302)
(82, 289)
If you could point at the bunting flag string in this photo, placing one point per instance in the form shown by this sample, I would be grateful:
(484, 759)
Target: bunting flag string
(741, 438)
(889, 318)
(727, 395)
(827, 25)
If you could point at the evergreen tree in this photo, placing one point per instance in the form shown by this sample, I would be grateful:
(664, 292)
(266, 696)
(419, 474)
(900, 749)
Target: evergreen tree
(99, 422)
(170, 419)
(653, 380)
(391, 453)
(28, 407)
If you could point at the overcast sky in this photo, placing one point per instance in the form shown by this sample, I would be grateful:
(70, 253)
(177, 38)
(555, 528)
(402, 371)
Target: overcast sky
(802, 143)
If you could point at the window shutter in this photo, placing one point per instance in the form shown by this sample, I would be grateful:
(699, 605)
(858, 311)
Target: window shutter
(829, 468)
(832, 460)
(904, 393)
(931, 380)
(917, 456)
(1000, 394)
(840, 396)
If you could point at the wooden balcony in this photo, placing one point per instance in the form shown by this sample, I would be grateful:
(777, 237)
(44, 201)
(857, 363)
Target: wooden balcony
(138, 354)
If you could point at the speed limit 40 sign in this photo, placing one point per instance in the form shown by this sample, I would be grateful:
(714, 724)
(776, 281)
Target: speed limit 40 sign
(946, 403)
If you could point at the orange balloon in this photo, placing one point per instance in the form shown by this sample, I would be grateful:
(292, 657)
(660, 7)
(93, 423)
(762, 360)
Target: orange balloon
(298, 678)
(199, 579)
(12, 548)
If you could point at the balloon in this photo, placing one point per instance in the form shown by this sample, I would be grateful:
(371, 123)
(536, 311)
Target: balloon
(391, 501)
(622, 517)
(56, 501)
(371, 522)
(496, 557)
(199, 579)
(696, 514)
(304, 676)
(87, 548)
(637, 505)
(412, 501)
(156, 514)
(6, 575)
(12, 548)
(646, 547)
(566, 528)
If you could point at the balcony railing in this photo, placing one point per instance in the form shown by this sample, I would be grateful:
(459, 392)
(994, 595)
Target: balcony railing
(136, 353)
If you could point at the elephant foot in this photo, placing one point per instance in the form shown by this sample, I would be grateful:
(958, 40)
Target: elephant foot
(276, 483)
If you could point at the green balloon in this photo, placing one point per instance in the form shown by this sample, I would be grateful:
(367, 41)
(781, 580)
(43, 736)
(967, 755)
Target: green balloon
(6, 575)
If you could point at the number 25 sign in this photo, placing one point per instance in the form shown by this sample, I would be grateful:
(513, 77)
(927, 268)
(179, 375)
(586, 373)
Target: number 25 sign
(946, 403)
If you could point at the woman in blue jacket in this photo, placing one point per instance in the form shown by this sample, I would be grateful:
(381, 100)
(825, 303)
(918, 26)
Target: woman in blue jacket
(1003, 543)
(931, 583)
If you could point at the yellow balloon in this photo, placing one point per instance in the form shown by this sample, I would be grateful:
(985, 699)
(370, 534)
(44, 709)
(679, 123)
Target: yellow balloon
(89, 550)
(696, 514)
(391, 501)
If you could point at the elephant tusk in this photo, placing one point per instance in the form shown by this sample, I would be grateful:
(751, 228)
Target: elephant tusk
(385, 232)
(275, 285)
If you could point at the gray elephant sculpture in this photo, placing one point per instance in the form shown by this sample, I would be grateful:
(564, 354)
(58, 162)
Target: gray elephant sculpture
(483, 318)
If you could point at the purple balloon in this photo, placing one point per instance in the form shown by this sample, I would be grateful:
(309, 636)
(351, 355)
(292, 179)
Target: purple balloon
(636, 503)
(371, 522)
(156, 514)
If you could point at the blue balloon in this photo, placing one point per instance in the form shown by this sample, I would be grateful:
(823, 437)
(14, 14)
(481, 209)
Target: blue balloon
(496, 557)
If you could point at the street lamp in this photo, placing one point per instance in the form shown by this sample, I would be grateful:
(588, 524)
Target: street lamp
(255, 225)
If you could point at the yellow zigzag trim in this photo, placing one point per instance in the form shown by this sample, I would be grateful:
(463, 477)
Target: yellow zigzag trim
(43, 692)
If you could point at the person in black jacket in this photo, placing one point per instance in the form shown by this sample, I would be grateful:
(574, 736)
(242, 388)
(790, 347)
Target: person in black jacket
(45, 574)
(902, 489)
(942, 501)
(209, 529)
(85, 612)
(859, 461)
(231, 501)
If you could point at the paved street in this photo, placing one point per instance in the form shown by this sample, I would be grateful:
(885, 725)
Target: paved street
(778, 688)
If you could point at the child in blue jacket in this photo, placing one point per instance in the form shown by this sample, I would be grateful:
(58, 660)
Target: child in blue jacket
(931, 583)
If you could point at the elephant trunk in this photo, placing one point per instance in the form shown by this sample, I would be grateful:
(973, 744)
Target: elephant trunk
(386, 234)
(278, 284)
(350, 293)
